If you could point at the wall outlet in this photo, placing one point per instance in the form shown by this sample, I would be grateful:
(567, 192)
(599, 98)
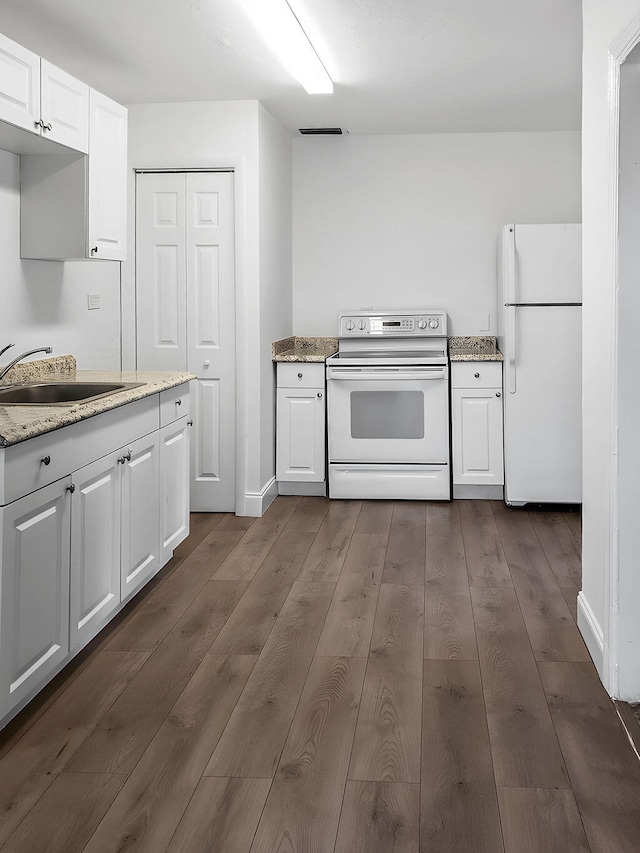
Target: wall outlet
(485, 323)
(93, 301)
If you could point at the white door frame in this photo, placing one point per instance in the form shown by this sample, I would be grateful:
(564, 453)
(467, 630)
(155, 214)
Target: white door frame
(241, 287)
(619, 51)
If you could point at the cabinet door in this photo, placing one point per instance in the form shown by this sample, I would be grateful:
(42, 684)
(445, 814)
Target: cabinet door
(95, 548)
(140, 521)
(64, 108)
(107, 231)
(34, 618)
(300, 444)
(477, 436)
(19, 85)
(174, 487)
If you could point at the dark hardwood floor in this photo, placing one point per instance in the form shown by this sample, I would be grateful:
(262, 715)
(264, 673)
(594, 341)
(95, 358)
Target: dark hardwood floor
(335, 677)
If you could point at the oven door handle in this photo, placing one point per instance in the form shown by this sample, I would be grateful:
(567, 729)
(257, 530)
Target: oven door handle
(362, 374)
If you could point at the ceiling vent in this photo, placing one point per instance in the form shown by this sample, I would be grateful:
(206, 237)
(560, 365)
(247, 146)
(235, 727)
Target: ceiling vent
(321, 131)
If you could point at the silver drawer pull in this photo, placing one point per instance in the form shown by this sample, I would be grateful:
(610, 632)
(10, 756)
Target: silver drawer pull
(178, 402)
(299, 376)
(477, 375)
(46, 460)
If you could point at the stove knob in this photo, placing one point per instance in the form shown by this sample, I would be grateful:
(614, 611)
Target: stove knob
(350, 325)
(422, 324)
(433, 323)
(362, 325)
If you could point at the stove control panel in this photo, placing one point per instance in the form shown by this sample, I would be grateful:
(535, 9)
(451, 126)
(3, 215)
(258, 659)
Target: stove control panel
(389, 324)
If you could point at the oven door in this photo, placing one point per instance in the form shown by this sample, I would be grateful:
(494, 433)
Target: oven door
(388, 414)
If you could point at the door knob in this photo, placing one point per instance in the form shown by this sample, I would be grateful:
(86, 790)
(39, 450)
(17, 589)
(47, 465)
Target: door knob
(206, 363)
(498, 394)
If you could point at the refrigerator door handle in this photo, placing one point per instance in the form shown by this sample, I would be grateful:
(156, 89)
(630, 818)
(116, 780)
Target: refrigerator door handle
(511, 348)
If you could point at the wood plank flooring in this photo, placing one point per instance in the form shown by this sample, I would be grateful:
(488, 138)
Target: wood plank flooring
(335, 677)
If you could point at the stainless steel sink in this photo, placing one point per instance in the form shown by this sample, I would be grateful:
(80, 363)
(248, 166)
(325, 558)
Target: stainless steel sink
(60, 393)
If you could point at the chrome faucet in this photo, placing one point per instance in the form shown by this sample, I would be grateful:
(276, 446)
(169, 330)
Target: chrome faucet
(11, 364)
(4, 349)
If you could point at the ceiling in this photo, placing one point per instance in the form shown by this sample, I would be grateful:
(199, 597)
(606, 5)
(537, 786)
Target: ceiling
(399, 66)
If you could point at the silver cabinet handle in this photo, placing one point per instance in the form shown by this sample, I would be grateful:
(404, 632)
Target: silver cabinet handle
(40, 124)
(125, 458)
(47, 126)
(498, 394)
(94, 251)
(178, 402)
(319, 395)
(477, 375)
(46, 460)
(189, 423)
(71, 488)
(299, 376)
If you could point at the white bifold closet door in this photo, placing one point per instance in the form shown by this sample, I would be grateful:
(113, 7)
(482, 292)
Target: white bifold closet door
(185, 312)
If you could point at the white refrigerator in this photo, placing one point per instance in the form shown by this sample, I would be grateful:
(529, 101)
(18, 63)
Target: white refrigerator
(540, 336)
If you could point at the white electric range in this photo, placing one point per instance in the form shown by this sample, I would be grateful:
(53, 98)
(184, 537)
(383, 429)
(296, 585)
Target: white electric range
(388, 407)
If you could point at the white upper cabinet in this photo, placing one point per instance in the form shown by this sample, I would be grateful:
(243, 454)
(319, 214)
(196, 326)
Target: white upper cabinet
(107, 231)
(42, 99)
(19, 85)
(64, 108)
(74, 206)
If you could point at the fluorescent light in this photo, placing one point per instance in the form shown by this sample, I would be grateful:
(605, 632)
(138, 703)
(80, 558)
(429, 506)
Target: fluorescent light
(281, 29)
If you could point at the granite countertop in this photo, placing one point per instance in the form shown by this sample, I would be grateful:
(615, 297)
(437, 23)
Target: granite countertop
(474, 348)
(303, 349)
(18, 423)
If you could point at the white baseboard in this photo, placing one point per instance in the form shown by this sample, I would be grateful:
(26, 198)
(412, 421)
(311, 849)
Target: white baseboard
(286, 487)
(592, 633)
(478, 492)
(257, 503)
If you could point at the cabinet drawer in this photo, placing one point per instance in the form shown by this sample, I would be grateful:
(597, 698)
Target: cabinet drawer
(22, 469)
(174, 403)
(301, 375)
(37, 462)
(476, 374)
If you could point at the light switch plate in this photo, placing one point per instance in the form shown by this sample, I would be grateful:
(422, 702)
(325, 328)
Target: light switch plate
(93, 301)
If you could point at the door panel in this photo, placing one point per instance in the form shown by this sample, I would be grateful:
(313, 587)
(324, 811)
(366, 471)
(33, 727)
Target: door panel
(548, 263)
(95, 548)
(174, 485)
(211, 335)
(185, 285)
(107, 184)
(35, 591)
(65, 106)
(140, 522)
(160, 273)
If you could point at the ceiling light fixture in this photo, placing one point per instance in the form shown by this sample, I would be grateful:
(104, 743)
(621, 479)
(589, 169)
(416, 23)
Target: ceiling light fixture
(278, 24)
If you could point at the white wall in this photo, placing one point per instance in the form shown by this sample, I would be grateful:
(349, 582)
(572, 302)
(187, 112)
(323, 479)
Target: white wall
(44, 303)
(226, 134)
(413, 221)
(275, 267)
(603, 22)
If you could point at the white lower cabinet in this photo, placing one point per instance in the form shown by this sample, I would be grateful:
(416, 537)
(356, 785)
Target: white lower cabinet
(477, 432)
(140, 514)
(301, 415)
(34, 591)
(174, 486)
(95, 548)
(76, 549)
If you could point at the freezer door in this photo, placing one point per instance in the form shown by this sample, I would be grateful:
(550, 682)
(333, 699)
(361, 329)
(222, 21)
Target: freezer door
(542, 416)
(548, 263)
